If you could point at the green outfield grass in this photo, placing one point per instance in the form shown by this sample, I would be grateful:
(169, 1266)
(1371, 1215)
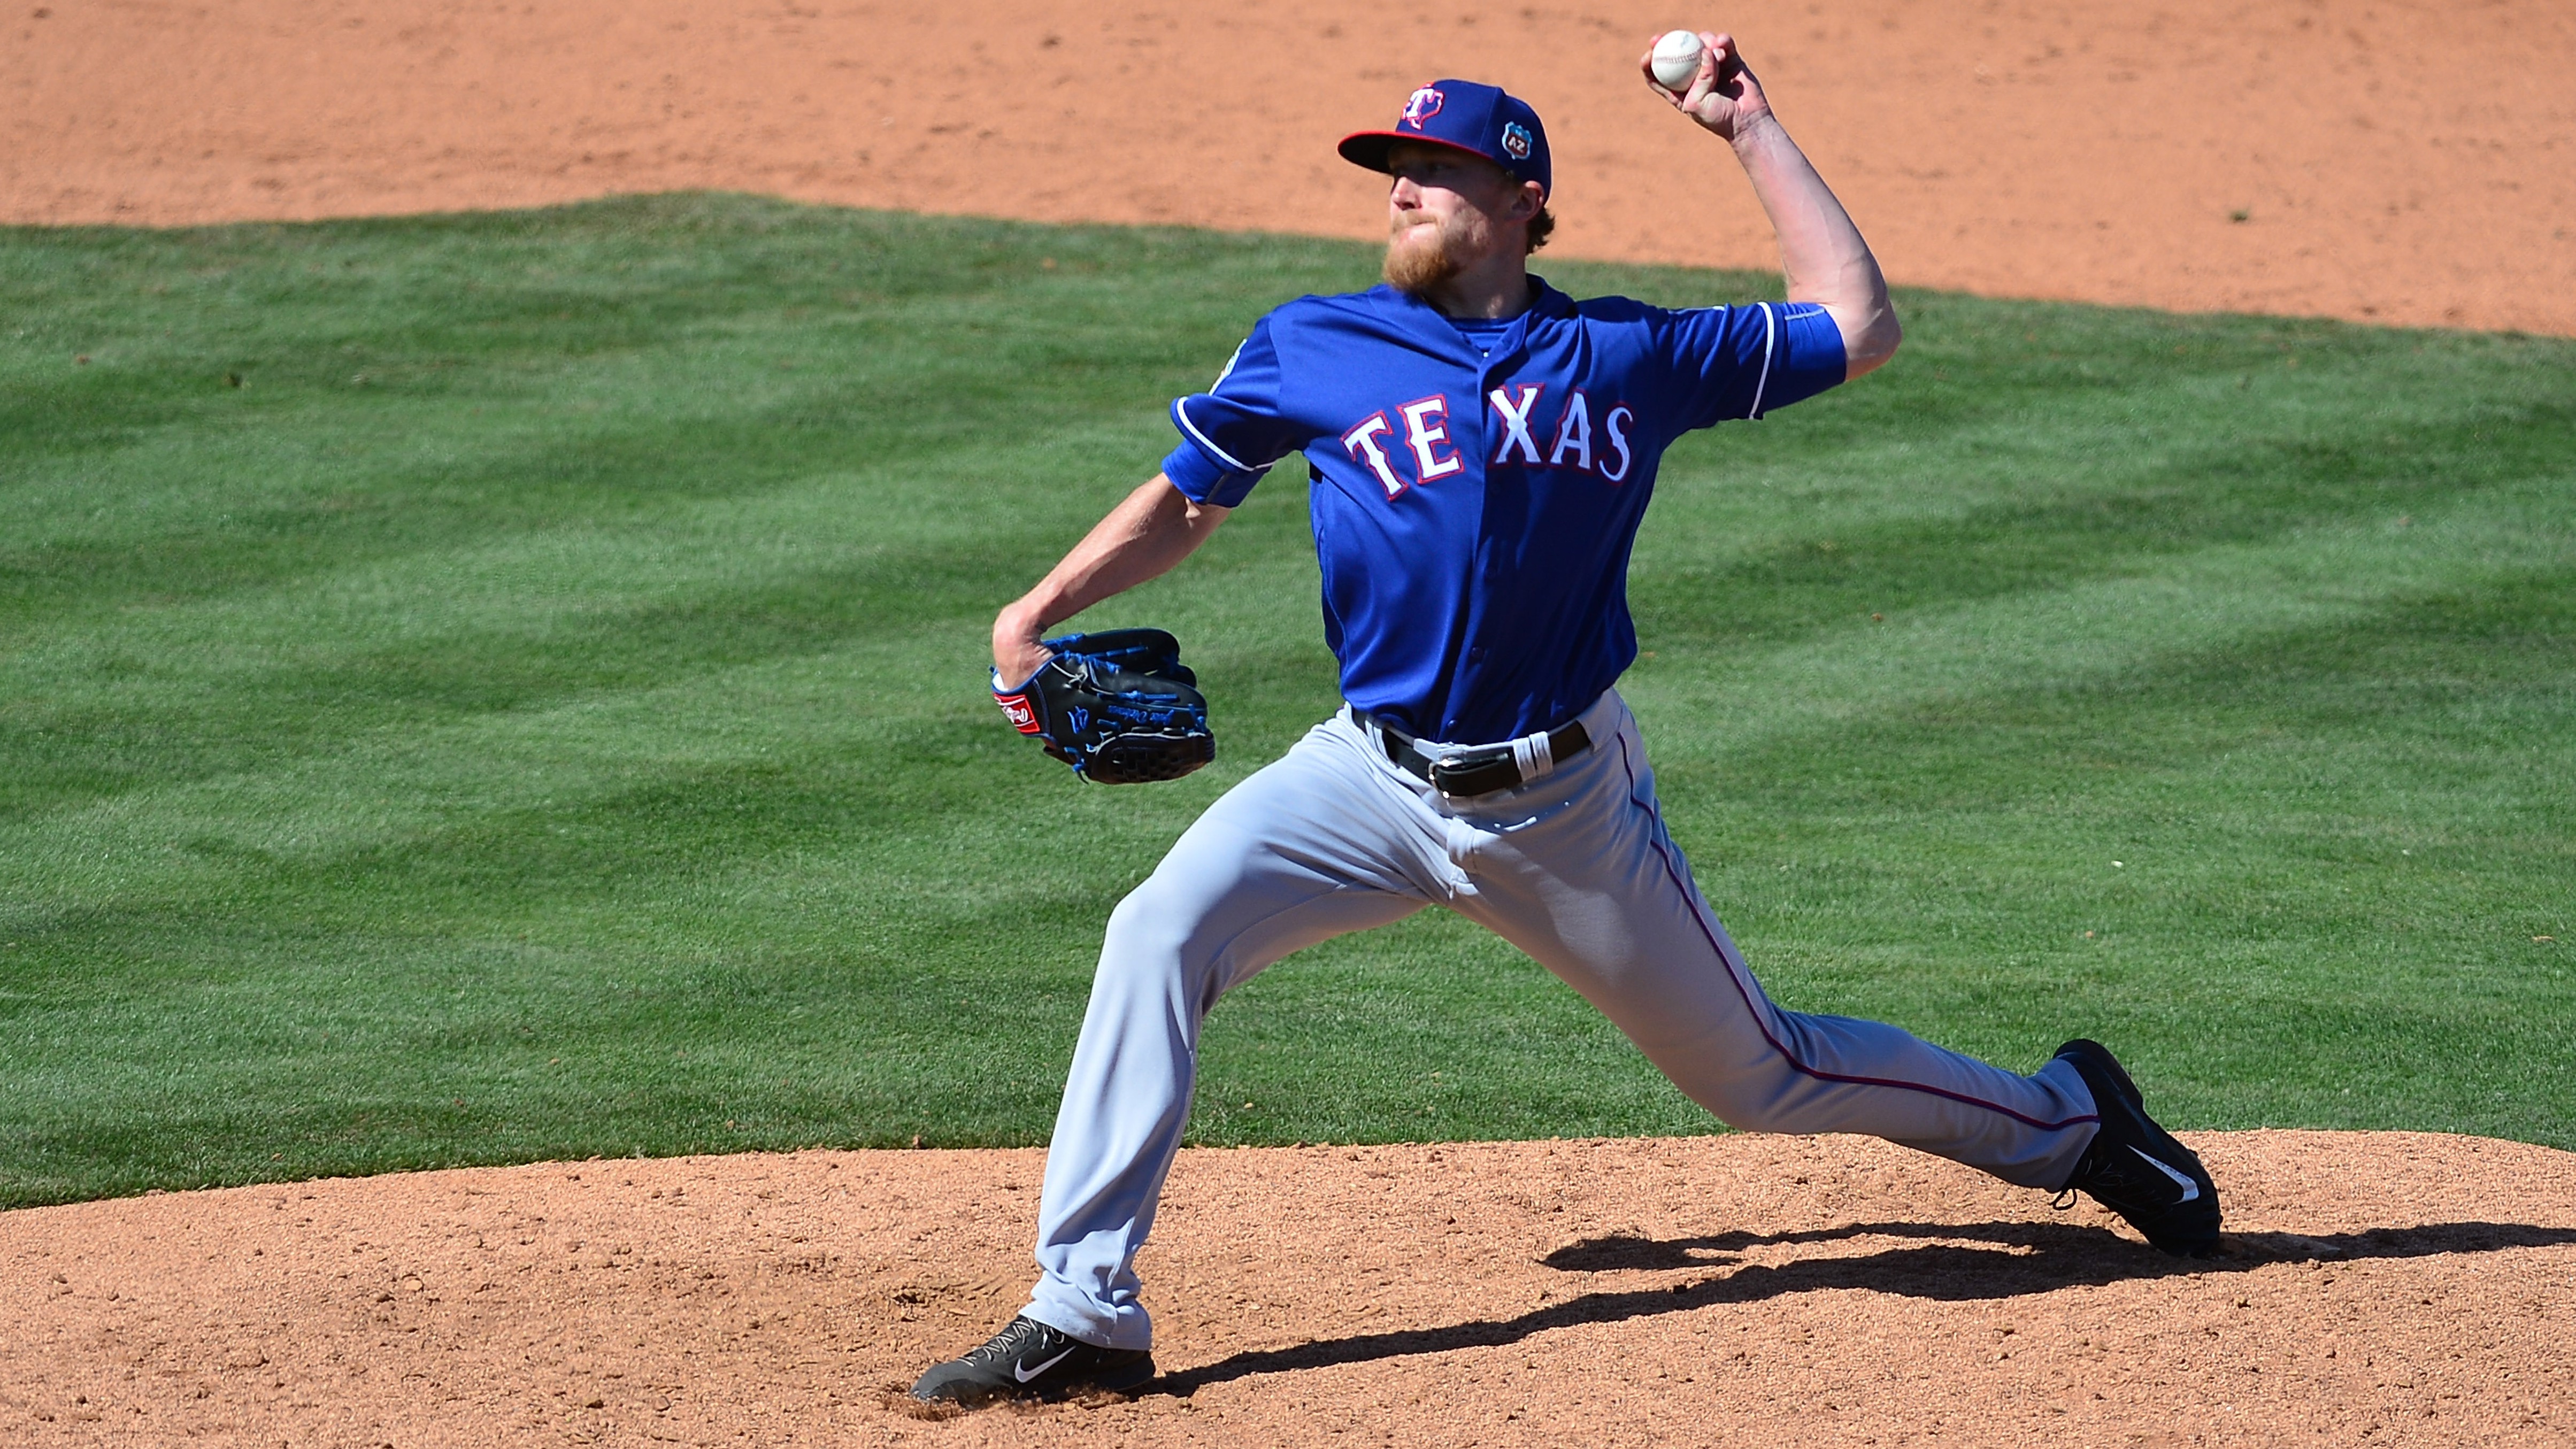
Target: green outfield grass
(494, 688)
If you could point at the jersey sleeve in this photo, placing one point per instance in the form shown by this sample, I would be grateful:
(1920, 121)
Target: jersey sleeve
(1741, 362)
(1234, 431)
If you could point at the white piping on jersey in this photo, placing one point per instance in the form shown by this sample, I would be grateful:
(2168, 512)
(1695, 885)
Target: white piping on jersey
(1204, 441)
(1770, 334)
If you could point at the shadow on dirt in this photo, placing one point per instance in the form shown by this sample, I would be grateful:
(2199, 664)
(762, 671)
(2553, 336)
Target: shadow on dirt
(1971, 1261)
(2074, 1251)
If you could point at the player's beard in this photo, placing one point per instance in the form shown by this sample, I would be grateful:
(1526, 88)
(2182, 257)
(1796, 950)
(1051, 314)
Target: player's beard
(1419, 260)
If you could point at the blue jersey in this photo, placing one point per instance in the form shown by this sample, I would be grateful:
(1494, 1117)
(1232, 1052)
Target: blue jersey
(1473, 509)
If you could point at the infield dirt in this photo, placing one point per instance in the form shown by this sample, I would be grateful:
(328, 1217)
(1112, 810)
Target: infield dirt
(2387, 160)
(2379, 161)
(2380, 1289)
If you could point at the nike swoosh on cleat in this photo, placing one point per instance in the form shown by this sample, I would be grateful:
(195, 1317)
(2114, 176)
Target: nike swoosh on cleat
(1024, 1373)
(2190, 1189)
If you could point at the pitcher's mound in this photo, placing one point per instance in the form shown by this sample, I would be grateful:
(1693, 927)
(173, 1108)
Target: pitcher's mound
(2380, 1288)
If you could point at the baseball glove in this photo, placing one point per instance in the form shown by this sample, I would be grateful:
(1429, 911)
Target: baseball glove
(1117, 706)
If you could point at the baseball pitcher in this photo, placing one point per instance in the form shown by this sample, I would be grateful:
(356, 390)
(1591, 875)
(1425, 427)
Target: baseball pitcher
(1480, 448)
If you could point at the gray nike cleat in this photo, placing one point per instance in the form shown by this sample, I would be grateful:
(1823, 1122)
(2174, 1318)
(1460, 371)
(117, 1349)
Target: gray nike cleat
(1030, 1360)
(2136, 1168)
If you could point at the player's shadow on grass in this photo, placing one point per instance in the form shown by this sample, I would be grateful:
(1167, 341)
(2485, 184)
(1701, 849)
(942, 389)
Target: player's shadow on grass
(2024, 1258)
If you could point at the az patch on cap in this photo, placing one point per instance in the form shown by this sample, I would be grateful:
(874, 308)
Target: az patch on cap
(1516, 141)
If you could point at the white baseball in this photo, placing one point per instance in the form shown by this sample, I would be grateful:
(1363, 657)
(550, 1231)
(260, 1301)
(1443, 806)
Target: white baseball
(1677, 59)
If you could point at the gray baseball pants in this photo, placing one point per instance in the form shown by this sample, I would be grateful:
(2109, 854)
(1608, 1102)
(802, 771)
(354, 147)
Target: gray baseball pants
(1577, 870)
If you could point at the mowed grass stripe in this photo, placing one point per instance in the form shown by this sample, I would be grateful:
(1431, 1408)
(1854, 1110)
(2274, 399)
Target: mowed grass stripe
(571, 740)
(521, 620)
(413, 773)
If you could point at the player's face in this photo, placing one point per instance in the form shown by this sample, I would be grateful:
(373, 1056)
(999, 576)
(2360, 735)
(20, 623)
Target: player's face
(1446, 211)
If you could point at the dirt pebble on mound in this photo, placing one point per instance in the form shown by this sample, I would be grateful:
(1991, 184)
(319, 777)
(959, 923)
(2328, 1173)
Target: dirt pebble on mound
(2382, 160)
(2384, 1288)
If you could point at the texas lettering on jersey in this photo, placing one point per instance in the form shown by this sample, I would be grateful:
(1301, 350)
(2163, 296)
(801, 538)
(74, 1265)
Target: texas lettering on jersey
(1473, 509)
(1429, 452)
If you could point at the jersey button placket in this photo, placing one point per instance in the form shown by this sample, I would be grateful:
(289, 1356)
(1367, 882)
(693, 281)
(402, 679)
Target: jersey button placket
(1486, 381)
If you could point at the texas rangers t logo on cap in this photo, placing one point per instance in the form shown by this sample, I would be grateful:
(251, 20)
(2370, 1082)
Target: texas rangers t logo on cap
(1462, 115)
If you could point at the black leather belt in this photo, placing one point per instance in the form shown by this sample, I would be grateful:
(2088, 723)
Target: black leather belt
(1477, 771)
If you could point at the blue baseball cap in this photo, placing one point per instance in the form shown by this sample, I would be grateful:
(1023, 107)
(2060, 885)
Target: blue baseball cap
(1480, 120)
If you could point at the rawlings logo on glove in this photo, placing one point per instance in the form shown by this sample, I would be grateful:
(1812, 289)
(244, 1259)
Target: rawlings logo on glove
(1017, 709)
(1118, 706)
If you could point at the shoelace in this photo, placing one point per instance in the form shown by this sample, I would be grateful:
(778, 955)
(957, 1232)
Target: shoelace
(2066, 1195)
(1008, 1346)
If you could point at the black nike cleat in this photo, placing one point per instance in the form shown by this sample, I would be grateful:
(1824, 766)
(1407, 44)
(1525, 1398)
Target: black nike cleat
(1029, 1360)
(2136, 1168)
